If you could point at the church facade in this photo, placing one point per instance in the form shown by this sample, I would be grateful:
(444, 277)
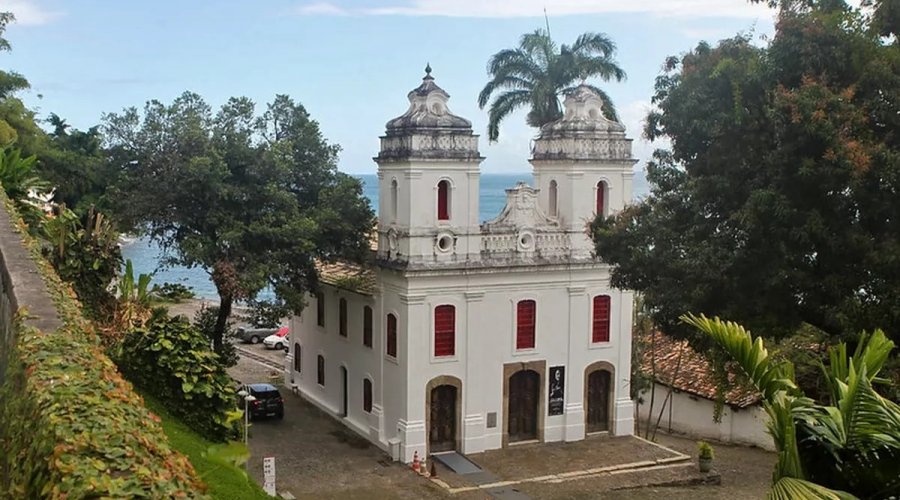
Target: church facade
(472, 336)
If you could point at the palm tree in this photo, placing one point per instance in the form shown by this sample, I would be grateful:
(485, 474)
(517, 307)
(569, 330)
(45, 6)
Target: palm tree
(848, 449)
(538, 72)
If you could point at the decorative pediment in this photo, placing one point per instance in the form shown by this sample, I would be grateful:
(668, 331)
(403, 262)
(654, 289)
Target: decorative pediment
(521, 212)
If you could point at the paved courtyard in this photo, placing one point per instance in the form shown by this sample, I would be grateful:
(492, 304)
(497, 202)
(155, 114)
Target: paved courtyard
(317, 457)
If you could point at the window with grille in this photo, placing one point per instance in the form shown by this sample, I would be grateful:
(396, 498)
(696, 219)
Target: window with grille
(342, 322)
(367, 326)
(601, 319)
(444, 330)
(367, 395)
(525, 324)
(391, 341)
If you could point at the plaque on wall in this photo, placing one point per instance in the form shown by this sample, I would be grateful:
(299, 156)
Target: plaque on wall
(557, 390)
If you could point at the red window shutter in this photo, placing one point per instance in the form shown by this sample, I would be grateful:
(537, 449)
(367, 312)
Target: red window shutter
(342, 327)
(525, 324)
(601, 319)
(601, 197)
(391, 336)
(367, 326)
(443, 200)
(444, 330)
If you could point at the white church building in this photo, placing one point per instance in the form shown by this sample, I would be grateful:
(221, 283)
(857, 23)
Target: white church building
(473, 336)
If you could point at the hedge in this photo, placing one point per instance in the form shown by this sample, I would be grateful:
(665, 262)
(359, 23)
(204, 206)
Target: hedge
(70, 426)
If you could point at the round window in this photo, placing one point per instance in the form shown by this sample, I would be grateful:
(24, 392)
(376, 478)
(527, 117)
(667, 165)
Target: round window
(526, 241)
(445, 243)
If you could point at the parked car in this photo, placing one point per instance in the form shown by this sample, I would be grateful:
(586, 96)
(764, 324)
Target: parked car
(253, 335)
(277, 340)
(268, 402)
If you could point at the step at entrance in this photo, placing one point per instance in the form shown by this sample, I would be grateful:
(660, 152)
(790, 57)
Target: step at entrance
(456, 462)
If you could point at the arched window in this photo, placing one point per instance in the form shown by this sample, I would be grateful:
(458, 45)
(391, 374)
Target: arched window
(553, 199)
(600, 332)
(343, 318)
(367, 326)
(320, 370)
(525, 324)
(394, 201)
(391, 341)
(320, 309)
(444, 330)
(601, 198)
(297, 357)
(443, 200)
(367, 395)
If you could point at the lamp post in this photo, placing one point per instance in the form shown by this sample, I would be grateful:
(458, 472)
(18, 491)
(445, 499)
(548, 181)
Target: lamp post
(248, 398)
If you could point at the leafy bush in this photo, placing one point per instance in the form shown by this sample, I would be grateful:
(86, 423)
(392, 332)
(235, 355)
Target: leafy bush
(267, 313)
(171, 360)
(86, 254)
(205, 321)
(172, 292)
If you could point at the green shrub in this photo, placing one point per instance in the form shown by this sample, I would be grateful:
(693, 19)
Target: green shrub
(205, 322)
(71, 427)
(171, 360)
(172, 292)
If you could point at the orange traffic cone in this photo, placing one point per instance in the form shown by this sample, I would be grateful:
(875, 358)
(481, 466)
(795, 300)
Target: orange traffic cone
(415, 462)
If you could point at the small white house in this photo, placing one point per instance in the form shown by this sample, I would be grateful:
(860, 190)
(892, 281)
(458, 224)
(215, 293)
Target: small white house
(690, 409)
(467, 336)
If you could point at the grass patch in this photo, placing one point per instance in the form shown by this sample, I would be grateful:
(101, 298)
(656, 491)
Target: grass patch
(224, 482)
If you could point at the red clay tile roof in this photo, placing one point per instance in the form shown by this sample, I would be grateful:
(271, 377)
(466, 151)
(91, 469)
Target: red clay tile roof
(695, 375)
(354, 277)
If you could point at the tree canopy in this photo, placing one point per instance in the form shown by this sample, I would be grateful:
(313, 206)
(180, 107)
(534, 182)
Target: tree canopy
(538, 72)
(778, 202)
(255, 200)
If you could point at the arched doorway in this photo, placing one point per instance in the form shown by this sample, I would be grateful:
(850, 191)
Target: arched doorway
(598, 399)
(442, 418)
(524, 394)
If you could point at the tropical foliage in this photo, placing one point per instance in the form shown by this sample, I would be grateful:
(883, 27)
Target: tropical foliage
(777, 202)
(171, 360)
(255, 200)
(205, 321)
(849, 448)
(536, 73)
(267, 313)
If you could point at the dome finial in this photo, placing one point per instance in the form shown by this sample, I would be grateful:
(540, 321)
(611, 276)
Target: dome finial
(428, 70)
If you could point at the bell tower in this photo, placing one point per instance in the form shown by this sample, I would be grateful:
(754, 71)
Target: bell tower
(428, 178)
(582, 166)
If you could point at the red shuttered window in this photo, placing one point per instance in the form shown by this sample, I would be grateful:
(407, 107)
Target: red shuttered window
(367, 326)
(601, 319)
(342, 323)
(443, 200)
(444, 330)
(367, 395)
(391, 341)
(601, 198)
(525, 324)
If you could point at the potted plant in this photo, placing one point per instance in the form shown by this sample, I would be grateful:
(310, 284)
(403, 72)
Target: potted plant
(706, 455)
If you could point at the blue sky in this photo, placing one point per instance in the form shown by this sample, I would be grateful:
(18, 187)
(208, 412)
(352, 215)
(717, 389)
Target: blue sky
(351, 63)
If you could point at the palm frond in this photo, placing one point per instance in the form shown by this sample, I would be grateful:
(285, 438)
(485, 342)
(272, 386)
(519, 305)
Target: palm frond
(594, 43)
(790, 488)
(502, 82)
(501, 107)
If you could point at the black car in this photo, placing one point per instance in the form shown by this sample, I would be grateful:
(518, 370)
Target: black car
(268, 402)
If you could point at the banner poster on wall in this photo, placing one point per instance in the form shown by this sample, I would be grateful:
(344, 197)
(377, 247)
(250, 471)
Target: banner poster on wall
(557, 390)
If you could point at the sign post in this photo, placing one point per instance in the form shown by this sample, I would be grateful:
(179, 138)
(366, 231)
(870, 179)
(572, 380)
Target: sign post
(269, 475)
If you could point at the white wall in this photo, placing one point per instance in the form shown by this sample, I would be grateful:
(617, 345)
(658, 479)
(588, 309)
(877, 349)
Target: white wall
(693, 415)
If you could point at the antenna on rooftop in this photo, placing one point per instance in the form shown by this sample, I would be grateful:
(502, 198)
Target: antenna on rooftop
(547, 20)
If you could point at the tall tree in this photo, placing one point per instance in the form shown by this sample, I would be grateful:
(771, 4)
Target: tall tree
(17, 123)
(253, 200)
(778, 202)
(538, 72)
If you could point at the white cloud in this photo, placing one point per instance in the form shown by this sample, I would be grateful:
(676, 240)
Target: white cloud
(28, 12)
(535, 8)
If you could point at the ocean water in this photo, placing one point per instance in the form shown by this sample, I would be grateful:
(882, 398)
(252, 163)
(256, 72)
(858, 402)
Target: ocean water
(145, 255)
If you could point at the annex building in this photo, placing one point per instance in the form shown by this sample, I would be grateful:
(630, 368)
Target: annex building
(473, 336)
